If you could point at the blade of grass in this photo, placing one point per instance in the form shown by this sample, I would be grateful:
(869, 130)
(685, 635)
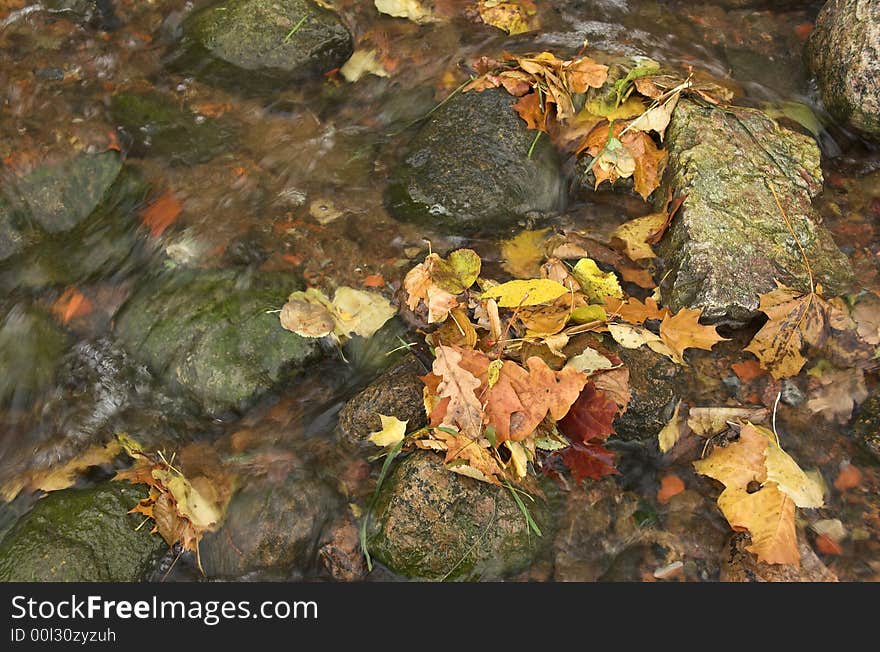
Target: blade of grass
(365, 521)
(294, 30)
(525, 510)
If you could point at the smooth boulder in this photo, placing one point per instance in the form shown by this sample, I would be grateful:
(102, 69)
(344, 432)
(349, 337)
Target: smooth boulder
(469, 168)
(210, 333)
(82, 535)
(730, 241)
(844, 54)
(432, 524)
(262, 40)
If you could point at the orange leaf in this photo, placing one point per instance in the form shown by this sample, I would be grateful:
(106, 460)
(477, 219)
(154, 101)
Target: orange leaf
(747, 370)
(670, 485)
(374, 281)
(828, 546)
(649, 161)
(529, 109)
(70, 305)
(634, 311)
(159, 215)
(849, 478)
(683, 331)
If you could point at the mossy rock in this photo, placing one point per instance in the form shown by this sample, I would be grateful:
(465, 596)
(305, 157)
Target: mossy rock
(31, 351)
(254, 42)
(432, 524)
(729, 241)
(82, 535)
(844, 54)
(210, 333)
(468, 169)
(158, 128)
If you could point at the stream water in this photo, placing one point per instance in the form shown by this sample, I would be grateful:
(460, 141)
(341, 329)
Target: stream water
(294, 182)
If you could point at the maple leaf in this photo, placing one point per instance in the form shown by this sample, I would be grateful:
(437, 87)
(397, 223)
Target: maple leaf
(530, 109)
(523, 254)
(649, 161)
(841, 390)
(590, 460)
(463, 411)
(583, 73)
(795, 320)
(436, 282)
(634, 311)
(768, 515)
(590, 417)
(683, 331)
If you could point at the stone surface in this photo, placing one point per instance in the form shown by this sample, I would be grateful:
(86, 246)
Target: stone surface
(866, 424)
(270, 531)
(31, 351)
(739, 565)
(81, 535)
(652, 383)
(436, 525)
(281, 40)
(209, 332)
(729, 241)
(397, 393)
(844, 54)
(468, 168)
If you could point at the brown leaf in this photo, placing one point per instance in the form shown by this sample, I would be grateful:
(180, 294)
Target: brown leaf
(649, 161)
(464, 411)
(683, 331)
(634, 311)
(529, 109)
(583, 73)
(841, 390)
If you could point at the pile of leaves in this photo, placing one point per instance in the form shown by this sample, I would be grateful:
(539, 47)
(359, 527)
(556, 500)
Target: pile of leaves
(520, 375)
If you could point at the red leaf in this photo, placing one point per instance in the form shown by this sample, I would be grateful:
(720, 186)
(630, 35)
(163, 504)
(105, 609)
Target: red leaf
(588, 461)
(161, 214)
(70, 305)
(590, 416)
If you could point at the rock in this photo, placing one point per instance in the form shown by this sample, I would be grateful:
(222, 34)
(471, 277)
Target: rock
(81, 535)
(209, 333)
(342, 555)
(652, 384)
(97, 13)
(866, 424)
(468, 168)
(270, 531)
(729, 242)
(844, 54)
(739, 565)
(432, 524)
(31, 351)
(158, 128)
(397, 393)
(263, 40)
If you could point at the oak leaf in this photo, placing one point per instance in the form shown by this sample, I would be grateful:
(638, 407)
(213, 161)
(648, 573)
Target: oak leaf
(463, 411)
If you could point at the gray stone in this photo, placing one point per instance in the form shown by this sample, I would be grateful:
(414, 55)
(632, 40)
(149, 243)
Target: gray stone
(281, 40)
(730, 242)
(397, 393)
(469, 168)
(432, 524)
(844, 53)
(270, 531)
(209, 332)
(82, 535)
(653, 387)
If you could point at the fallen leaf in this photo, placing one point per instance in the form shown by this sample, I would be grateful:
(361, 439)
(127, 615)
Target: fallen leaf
(596, 284)
(324, 211)
(828, 546)
(307, 314)
(464, 411)
(592, 461)
(747, 370)
(634, 311)
(589, 361)
(71, 305)
(523, 254)
(525, 293)
(670, 485)
(373, 281)
(768, 515)
(437, 281)
(849, 478)
(841, 390)
(649, 161)
(161, 213)
(711, 421)
(413, 10)
(310, 313)
(456, 331)
(583, 73)
(514, 17)
(866, 314)
(683, 331)
(615, 384)
(391, 433)
(656, 118)
(590, 417)
(634, 234)
(362, 62)
(671, 432)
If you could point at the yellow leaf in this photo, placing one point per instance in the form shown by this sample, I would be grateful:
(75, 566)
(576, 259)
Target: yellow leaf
(739, 463)
(359, 312)
(768, 515)
(191, 504)
(307, 314)
(785, 472)
(392, 432)
(589, 361)
(523, 254)
(414, 10)
(362, 62)
(710, 421)
(683, 331)
(518, 458)
(588, 314)
(630, 336)
(671, 433)
(635, 234)
(513, 17)
(525, 293)
(595, 283)
(657, 118)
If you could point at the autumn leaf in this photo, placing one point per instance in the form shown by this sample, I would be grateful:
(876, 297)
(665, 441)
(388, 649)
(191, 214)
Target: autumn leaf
(362, 62)
(414, 10)
(514, 17)
(525, 293)
(639, 234)
(796, 320)
(711, 421)
(590, 417)
(592, 461)
(596, 284)
(391, 433)
(457, 330)
(768, 515)
(464, 411)
(656, 118)
(683, 331)
(589, 361)
(583, 73)
(466, 456)
(71, 305)
(310, 313)
(530, 109)
(649, 161)
(437, 281)
(634, 311)
(840, 391)
(161, 214)
(671, 432)
(615, 384)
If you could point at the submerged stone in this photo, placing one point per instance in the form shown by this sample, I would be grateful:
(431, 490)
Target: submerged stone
(210, 333)
(82, 535)
(262, 40)
(31, 351)
(158, 128)
(844, 53)
(866, 424)
(730, 241)
(433, 524)
(469, 168)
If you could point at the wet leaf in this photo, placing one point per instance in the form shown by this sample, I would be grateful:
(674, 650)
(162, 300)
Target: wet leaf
(768, 515)
(591, 416)
(634, 311)
(649, 161)
(161, 214)
(583, 73)
(514, 17)
(437, 281)
(352, 312)
(391, 433)
(592, 461)
(71, 305)
(615, 384)
(657, 118)
(414, 10)
(683, 331)
(671, 432)
(596, 284)
(525, 293)
(841, 390)
(307, 314)
(362, 62)
(711, 421)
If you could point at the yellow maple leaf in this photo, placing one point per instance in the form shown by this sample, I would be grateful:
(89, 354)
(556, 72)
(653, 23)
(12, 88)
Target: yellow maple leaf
(522, 255)
(391, 433)
(768, 515)
(683, 331)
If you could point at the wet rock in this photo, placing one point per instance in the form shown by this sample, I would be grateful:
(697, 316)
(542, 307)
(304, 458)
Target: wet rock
(844, 54)
(397, 393)
(31, 350)
(263, 40)
(270, 531)
(81, 535)
(866, 424)
(209, 333)
(432, 524)
(158, 128)
(729, 242)
(97, 13)
(739, 565)
(652, 383)
(468, 168)
(341, 555)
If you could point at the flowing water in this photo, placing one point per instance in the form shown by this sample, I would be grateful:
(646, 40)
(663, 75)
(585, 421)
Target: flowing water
(293, 181)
